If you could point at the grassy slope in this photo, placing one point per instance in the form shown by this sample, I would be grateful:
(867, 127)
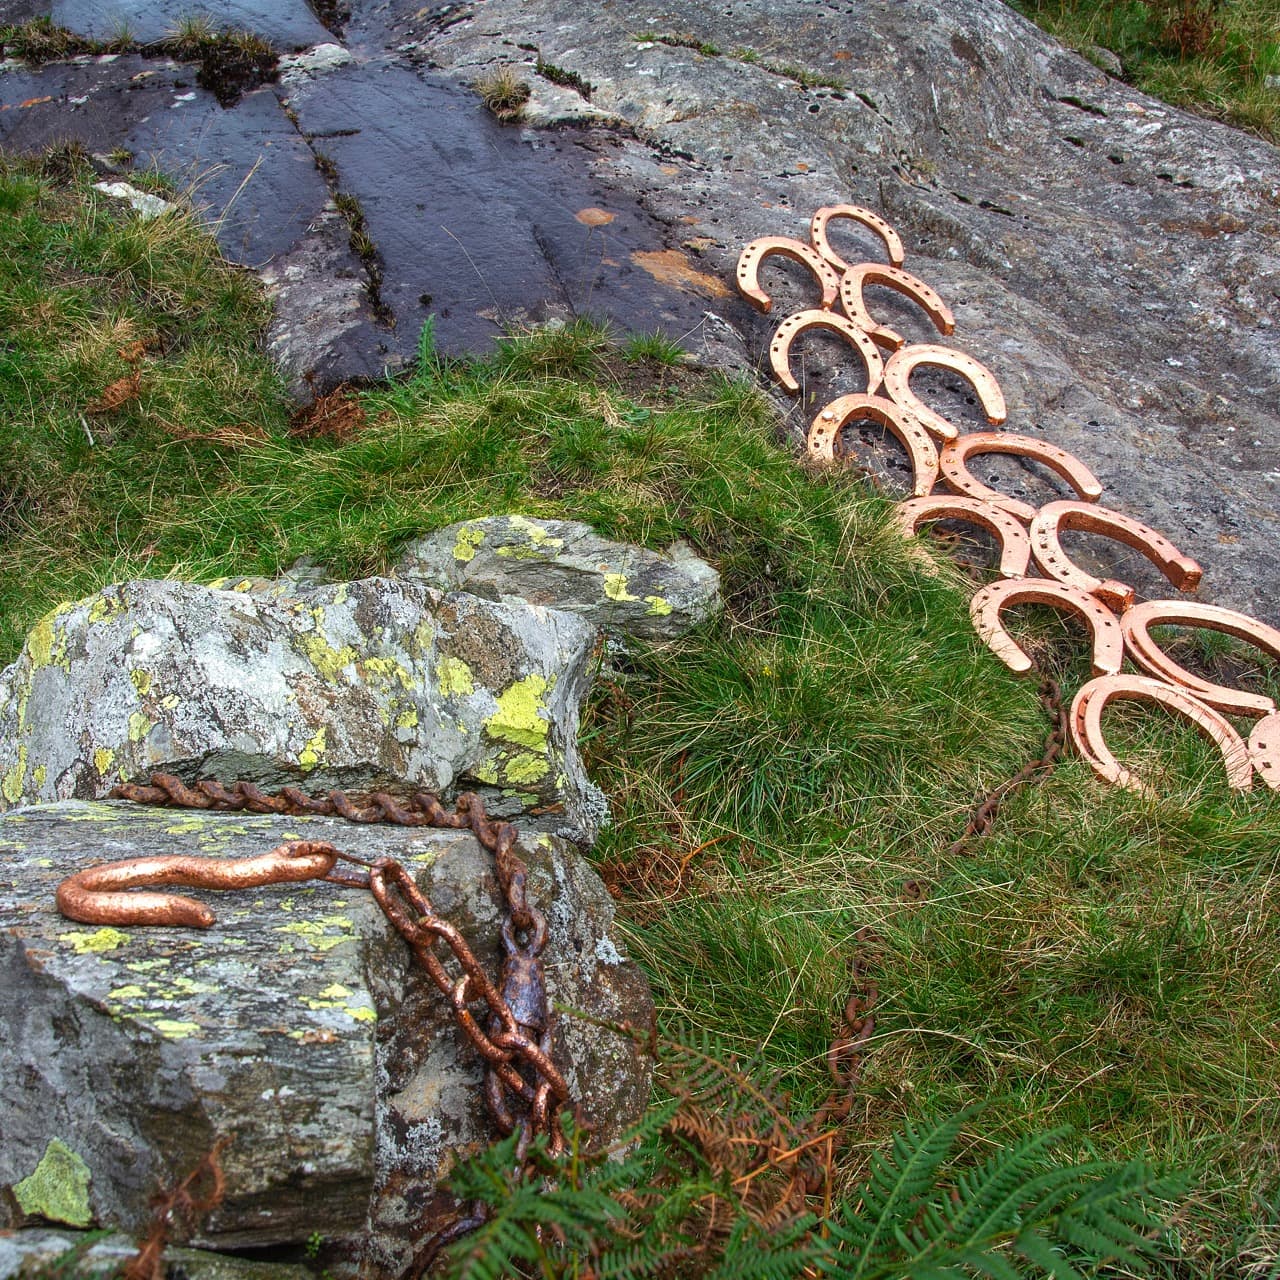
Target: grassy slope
(1103, 960)
(1210, 56)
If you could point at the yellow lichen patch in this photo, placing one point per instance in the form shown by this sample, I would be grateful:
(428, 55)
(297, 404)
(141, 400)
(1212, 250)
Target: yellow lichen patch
(615, 587)
(658, 607)
(140, 725)
(104, 939)
(170, 702)
(468, 543)
(486, 771)
(336, 991)
(103, 759)
(361, 1013)
(316, 932)
(407, 719)
(148, 966)
(186, 827)
(540, 542)
(11, 786)
(421, 641)
(174, 1030)
(313, 752)
(141, 681)
(455, 677)
(341, 593)
(385, 671)
(131, 991)
(328, 661)
(47, 645)
(192, 987)
(517, 719)
(38, 775)
(526, 768)
(104, 608)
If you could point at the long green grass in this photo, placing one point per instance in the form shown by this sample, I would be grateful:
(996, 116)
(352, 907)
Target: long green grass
(790, 773)
(1220, 58)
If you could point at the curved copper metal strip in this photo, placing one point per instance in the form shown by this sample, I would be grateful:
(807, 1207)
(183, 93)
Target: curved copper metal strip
(856, 279)
(864, 217)
(1154, 661)
(1086, 727)
(1264, 750)
(96, 894)
(1054, 517)
(954, 461)
(1015, 546)
(897, 379)
(754, 254)
(910, 434)
(990, 602)
(796, 324)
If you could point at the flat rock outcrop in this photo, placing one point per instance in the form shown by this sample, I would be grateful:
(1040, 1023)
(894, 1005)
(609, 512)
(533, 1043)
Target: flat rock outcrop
(361, 685)
(296, 1026)
(566, 565)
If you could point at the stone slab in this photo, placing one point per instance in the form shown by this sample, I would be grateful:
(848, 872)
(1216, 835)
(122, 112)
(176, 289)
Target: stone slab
(285, 24)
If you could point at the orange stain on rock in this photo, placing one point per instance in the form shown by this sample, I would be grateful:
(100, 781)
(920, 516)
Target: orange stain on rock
(595, 217)
(671, 268)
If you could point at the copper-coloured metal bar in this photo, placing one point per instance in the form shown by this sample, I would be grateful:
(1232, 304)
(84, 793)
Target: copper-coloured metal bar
(753, 256)
(909, 433)
(954, 461)
(990, 602)
(864, 217)
(1015, 546)
(801, 321)
(1264, 750)
(856, 279)
(1055, 517)
(96, 894)
(897, 379)
(1154, 661)
(1086, 727)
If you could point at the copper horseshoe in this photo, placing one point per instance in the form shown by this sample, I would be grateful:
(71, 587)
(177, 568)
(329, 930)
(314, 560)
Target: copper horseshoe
(864, 217)
(856, 279)
(1054, 517)
(753, 256)
(914, 439)
(1015, 546)
(1086, 728)
(96, 894)
(1264, 750)
(897, 378)
(990, 602)
(1154, 661)
(954, 461)
(794, 325)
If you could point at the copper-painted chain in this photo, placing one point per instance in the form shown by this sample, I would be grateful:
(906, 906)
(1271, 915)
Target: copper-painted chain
(985, 813)
(516, 1040)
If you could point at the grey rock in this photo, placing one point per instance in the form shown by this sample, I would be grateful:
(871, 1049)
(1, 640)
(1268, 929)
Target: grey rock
(296, 68)
(286, 24)
(1105, 60)
(38, 1251)
(566, 565)
(296, 1025)
(359, 685)
(143, 203)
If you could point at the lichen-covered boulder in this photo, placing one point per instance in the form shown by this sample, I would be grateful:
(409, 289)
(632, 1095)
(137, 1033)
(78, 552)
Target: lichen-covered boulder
(564, 564)
(296, 1026)
(364, 684)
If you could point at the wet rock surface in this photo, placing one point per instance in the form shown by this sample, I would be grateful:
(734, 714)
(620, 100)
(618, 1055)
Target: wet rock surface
(361, 685)
(1114, 261)
(296, 1026)
(566, 565)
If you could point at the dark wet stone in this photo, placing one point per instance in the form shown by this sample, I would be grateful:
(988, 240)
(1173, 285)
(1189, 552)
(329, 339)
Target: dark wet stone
(285, 24)
(479, 224)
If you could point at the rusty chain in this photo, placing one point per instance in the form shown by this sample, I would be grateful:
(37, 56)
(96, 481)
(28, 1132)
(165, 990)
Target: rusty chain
(986, 811)
(525, 1091)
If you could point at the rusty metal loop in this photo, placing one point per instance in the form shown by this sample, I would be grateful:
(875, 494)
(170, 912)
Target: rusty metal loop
(752, 258)
(864, 217)
(954, 461)
(800, 322)
(97, 894)
(897, 384)
(854, 282)
(1015, 546)
(989, 603)
(826, 428)
(1056, 517)
(1264, 750)
(1155, 662)
(1086, 728)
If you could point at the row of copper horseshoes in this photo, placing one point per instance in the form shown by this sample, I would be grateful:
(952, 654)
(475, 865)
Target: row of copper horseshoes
(939, 452)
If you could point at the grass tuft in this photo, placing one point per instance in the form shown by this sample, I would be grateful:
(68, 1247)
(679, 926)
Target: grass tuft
(504, 92)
